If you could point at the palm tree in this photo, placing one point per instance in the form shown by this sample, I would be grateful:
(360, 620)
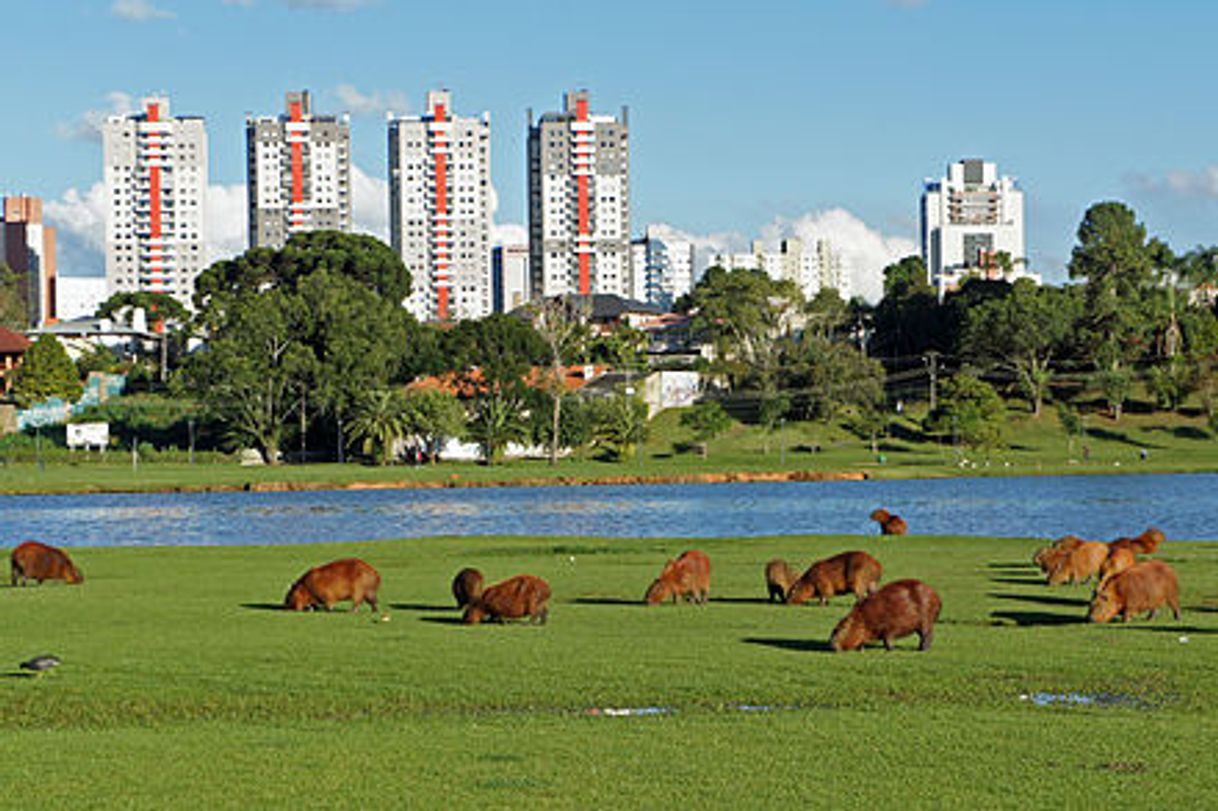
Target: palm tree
(380, 420)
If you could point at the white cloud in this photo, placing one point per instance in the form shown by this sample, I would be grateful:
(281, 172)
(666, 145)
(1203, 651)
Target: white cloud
(88, 126)
(1181, 183)
(509, 233)
(369, 204)
(227, 221)
(375, 103)
(80, 221)
(139, 11)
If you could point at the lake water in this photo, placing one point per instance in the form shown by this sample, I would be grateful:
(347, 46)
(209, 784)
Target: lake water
(1103, 507)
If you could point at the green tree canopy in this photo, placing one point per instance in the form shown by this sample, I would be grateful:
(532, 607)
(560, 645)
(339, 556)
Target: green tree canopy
(46, 371)
(14, 311)
(969, 409)
(707, 420)
(156, 306)
(435, 417)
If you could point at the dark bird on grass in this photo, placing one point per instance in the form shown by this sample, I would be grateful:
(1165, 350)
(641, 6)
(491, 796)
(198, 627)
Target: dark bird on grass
(41, 664)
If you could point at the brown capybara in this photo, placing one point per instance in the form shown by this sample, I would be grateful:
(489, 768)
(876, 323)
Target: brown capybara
(1145, 544)
(467, 585)
(32, 560)
(688, 576)
(346, 579)
(855, 572)
(1079, 564)
(889, 524)
(901, 608)
(779, 577)
(1119, 559)
(1047, 557)
(521, 596)
(1145, 586)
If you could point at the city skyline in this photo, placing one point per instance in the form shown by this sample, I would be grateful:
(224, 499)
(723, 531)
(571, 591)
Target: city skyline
(776, 120)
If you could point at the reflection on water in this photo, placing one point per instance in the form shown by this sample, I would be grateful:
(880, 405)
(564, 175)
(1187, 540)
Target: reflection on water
(1101, 507)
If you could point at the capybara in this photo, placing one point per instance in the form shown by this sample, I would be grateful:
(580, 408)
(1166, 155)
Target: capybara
(901, 608)
(889, 524)
(1079, 563)
(855, 572)
(1119, 559)
(346, 579)
(1145, 544)
(1046, 557)
(1145, 586)
(688, 576)
(467, 585)
(32, 560)
(521, 596)
(779, 577)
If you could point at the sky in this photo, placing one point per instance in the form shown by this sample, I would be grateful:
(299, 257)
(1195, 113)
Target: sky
(748, 120)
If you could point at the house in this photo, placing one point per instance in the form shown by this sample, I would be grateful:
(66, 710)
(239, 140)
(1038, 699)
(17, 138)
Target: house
(13, 346)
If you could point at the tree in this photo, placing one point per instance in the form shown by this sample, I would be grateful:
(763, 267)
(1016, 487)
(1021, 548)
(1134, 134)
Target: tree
(1072, 423)
(574, 429)
(827, 378)
(619, 424)
(971, 410)
(1113, 255)
(496, 421)
(560, 322)
(827, 313)
(771, 412)
(379, 422)
(46, 371)
(435, 417)
(907, 277)
(1021, 333)
(707, 420)
(908, 321)
(868, 423)
(14, 312)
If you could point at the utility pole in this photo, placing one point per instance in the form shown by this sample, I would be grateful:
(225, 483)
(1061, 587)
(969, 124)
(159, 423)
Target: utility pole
(931, 358)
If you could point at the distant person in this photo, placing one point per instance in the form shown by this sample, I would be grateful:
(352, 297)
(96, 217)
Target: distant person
(1086, 453)
(1145, 454)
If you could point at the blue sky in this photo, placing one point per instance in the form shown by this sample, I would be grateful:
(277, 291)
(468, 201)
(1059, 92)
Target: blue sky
(746, 118)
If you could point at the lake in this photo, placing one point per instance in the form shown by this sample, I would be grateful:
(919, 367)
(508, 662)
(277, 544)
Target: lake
(1102, 507)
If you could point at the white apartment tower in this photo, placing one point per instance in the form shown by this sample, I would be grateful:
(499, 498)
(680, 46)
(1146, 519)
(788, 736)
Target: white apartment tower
(663, 269)
(299, 171)
(968, 218)
(155, 176)
(811, 270)
(579, 201)
(440, 209)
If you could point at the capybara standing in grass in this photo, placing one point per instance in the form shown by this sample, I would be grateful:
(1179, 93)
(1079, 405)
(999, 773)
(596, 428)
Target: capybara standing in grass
(467, 585)
(521, 596)
(855, 572)
(779, 577)
(1145, 586)
(1119, 559)
(1145, 544)
(901, 608)
(1080, 563)
(346, 579)
(1047, 557)
(32, 560)
(688, 576)
(889, 524)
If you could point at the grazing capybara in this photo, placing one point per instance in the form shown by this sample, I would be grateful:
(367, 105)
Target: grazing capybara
(688, 576)
(889, 524)
(901, 608)
(346, 579)
(779, 577)
(32, 560)
(1145, 544)
(467, 585)
(855, 572)
(1119, 559)
(1078, 564)
(521, 596)
(1145, 586)
(1046, 557)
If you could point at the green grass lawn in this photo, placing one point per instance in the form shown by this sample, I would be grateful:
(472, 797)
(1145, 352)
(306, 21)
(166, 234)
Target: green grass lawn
(1174, 443)
(183, 685)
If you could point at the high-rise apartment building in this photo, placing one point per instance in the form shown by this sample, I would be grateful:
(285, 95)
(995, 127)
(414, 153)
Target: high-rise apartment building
(155, 174)
(811, 270)
(440, 209)
(510, 276)
(662, 269)
(968, 218)
(27, 246)
(299, 170)
(579, 201)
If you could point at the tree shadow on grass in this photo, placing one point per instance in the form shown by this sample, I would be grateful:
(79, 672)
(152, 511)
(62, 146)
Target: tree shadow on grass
(441, 620)
(1163, 629)
(1042, 599)
(422, 607)
(1032, 618)
(742, 600)
(1181, 431)
(264, 606)
(797, 645)
(613, 601)
(19, 675)
(1019, 581)
(1117, 436)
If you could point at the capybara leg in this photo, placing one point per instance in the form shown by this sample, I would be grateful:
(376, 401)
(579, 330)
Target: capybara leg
(926, 637)
(1175, 607)
(887, 643)
(541, 616)
(373, 603)
(1154, 612)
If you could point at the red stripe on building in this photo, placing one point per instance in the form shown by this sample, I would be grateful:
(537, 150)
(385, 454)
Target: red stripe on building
(585, 225)
(442, 247)
(297, 158)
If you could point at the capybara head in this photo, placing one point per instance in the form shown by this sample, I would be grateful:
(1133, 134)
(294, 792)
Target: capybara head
(1103, 606)
(72, 575)
(659, 591)
(298, 598)
(474, 614)
(850, 633)
(880, 515)
(1152, 538)
(800, 591)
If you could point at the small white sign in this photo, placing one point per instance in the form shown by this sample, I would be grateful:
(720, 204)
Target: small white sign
(89, 435)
